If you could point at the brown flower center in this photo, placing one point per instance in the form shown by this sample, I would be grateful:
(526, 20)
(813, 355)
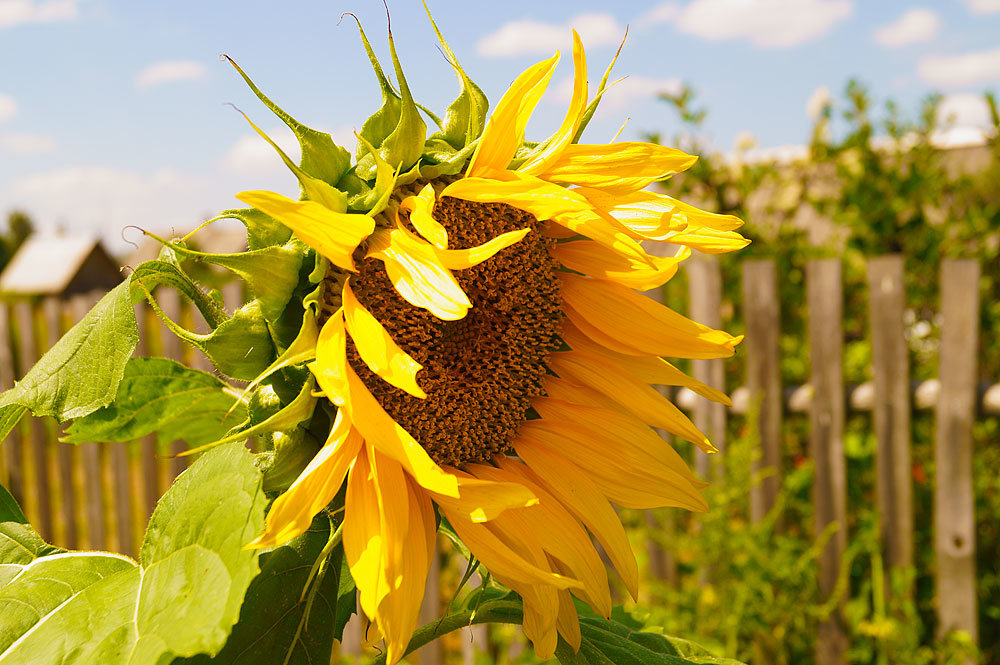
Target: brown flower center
(481, 372)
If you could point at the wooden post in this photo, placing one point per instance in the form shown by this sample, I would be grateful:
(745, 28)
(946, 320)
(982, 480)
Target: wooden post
(430, 653)
(705, 293)
(826, 441)
(93, 475)
(23, 317)
(762, 313)
(954, 506)
(891, 409)
(65, 453)
(662, 564)
(12, 449)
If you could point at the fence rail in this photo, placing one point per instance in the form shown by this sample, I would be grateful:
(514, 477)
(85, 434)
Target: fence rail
(99, 495)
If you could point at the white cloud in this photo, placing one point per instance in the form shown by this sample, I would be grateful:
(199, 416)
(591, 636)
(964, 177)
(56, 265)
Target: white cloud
(8, 107)
(663, 13)
(18, 12)
(916, 25)
(27, 144)
(767, 23)
(103, 200)
(983, 6)
(527, 36)
(167, 71)
(624, 92)
(956, 71)
(817, 102)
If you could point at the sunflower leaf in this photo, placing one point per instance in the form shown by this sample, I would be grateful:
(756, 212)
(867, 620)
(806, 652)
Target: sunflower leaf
(80, 374)
(163, 396)
(274, 609)
(91, 607)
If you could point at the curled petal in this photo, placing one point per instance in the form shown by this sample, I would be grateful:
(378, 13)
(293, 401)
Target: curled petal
(418, 274)
(421, 209)
(377, 348)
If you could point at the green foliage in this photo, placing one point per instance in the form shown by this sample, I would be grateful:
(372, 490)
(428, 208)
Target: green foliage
(181, 600)
(19, 227)
(162, 396)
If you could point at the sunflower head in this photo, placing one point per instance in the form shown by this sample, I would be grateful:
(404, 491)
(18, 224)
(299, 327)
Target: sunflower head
(471, 320)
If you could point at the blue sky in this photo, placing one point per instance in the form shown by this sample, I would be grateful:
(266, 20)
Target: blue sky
(114, 112)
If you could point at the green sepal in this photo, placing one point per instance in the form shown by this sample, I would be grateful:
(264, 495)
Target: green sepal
(239, 347)
(262, 229)
(375, 199)
(286, 418)
(321, 157)
(312, 188)
(396, 130)
(167, 271)
(588, 112)
(272, 273)
(466, 116)
(292, 452)
(163, 396)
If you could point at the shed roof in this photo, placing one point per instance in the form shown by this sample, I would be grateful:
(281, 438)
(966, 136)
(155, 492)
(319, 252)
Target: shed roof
(47, 263)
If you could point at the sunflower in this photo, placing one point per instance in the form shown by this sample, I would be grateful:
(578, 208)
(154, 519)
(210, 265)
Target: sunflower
(479, 333)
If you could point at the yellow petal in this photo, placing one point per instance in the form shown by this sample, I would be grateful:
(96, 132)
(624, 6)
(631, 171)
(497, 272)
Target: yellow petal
(617, 168)
(595, 260)
(293, 511)
(380, 430)
(421, 209)
(642, 323)
(541, 618)
(585, 500)
(655, 216)
(417, 273)
(568, 621)
(639, 398)
(709, 241)
(335, 235)
(547, 201)
(553, 529)
(363, 538)
(459, 259)
(574, 114)
(505, 129)
(499, 557)
(624, 471)
(645, 368)
(330, 366)
(377, 348)
(483, 500)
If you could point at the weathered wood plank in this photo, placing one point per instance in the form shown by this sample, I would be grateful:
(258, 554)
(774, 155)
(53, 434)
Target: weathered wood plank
(39, 501)
(954, 507)
(762, 314)
(705, 294)
(12, 448)
(826, 441)
(65, 454)
(891, 408)
(149, 482)
(172, 347)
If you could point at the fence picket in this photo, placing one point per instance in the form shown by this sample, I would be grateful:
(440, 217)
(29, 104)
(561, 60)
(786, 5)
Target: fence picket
(52, 309)
(761, 312)
(39, 500)
(12, 448)
(705, 292)
(891, 408)
(954, 503)
(826, 441)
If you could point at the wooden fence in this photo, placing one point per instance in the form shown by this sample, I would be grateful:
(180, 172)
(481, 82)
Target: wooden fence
(98, 496)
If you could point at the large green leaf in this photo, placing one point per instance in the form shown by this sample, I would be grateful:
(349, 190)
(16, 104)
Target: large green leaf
(163, 396)
(80, 374)
(88, 607)
(277, 617)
